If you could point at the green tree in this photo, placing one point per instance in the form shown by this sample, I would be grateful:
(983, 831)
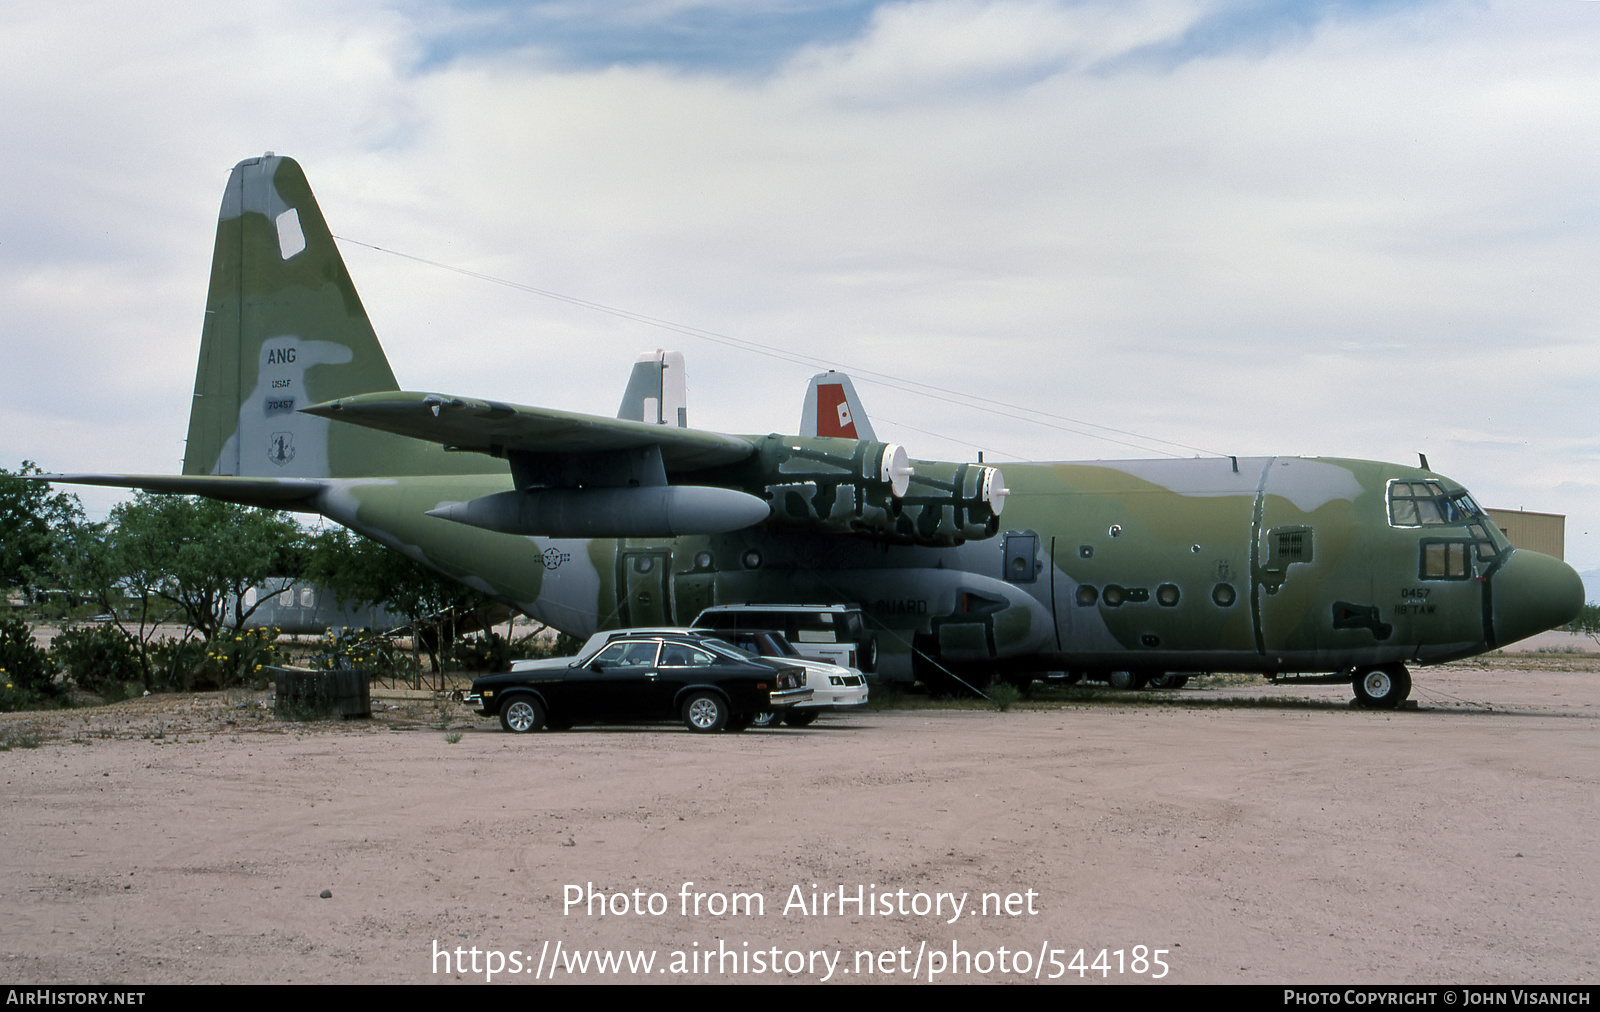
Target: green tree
(32, 522)
(165, 559)
(91, 560)
(362, 571)
(202, 555)
(1587, 622)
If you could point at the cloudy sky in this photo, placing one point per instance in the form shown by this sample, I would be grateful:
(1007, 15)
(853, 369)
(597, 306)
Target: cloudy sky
(1047, 230)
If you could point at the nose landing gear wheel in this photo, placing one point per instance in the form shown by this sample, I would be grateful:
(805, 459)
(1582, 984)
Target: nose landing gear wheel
(1382, 688)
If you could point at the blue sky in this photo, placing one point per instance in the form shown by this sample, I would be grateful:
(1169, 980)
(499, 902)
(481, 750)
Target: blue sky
(1347, 229)
(757, 38)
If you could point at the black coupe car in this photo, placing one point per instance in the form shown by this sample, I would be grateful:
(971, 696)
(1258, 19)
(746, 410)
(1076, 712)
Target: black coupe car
(623, 676)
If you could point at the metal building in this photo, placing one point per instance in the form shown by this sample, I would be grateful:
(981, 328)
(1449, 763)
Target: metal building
(1540, 532)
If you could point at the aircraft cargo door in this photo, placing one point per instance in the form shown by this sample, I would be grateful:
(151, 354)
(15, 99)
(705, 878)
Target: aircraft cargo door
(1303, 542)
(642, 586)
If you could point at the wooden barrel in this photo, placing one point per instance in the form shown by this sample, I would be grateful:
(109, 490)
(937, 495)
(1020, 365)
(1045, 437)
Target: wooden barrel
(303, 694)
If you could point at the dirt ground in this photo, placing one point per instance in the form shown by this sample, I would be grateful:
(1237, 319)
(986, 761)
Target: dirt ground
(1244, 833)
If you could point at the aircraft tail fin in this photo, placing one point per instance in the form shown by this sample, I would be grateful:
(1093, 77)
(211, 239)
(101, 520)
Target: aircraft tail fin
(657, 392)
(833, 409)
(284, 328)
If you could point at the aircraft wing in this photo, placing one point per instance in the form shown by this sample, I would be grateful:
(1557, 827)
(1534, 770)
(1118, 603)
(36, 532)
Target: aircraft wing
(467, 423)
(270, 493)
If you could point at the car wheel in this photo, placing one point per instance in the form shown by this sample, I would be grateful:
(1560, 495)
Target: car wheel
(1382, 688)
(766, 718)
(521, 714)
(704, 712)
(799, 718)
(1169, 681)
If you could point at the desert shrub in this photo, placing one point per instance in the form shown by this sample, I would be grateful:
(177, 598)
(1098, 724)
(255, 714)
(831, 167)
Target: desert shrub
(239, 658)
(563, 645)
(490, 651)
(27, 678)
(365, 649)
(1003, 695)
(98, 657)
(175, 665)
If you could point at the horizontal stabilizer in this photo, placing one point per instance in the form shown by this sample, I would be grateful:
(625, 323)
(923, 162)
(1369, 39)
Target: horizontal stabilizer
(663, 511)
(269, 493)
(466, 423)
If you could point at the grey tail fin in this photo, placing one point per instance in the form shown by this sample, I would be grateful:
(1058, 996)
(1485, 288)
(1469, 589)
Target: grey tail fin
(657, 390)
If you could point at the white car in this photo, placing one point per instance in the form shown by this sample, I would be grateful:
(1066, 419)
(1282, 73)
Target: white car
(833, 686)
(826, 632)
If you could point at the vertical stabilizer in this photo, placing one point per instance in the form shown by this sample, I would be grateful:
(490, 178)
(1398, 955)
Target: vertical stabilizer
(657, 392)
(832, 409)
(284, 328)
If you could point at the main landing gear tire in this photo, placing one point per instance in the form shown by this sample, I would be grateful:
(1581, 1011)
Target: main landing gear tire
(799, 718)
(1127, 680)
(705, 713)
(521, 715)
(1382, 688)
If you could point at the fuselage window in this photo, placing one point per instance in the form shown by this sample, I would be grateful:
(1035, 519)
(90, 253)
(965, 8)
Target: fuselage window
(1445, 560)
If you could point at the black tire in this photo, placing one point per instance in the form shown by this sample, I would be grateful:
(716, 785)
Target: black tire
(766, 718)
(1169, 681)
(705, 712)
(799, 718)
(1127, 680)
(868, 655)
(1383, 687)
(521, 715)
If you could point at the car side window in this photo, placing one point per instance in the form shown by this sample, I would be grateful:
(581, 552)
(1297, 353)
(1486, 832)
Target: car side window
(674, 655)
(627, 655)
(677, 655)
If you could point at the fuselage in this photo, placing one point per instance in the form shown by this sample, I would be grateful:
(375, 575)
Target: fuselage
(1268, 564)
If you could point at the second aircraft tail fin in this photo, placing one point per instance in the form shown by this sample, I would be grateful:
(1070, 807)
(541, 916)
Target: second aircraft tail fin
(832, 409)
(657, 392)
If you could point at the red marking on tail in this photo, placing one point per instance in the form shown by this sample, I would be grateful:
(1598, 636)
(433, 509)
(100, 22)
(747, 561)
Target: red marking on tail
(833, 412)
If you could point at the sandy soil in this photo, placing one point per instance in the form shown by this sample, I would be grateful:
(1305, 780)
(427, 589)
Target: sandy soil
(1255, 834)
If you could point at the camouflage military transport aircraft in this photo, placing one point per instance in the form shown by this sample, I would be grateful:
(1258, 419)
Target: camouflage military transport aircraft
(1279, 565)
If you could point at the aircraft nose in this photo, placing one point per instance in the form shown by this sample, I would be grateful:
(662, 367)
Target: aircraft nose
(1531, 593)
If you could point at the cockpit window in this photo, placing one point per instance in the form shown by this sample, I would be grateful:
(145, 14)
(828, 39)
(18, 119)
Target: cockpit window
(1427, 503)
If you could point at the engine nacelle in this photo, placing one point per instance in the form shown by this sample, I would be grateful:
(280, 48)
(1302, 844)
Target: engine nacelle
(849, 486)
